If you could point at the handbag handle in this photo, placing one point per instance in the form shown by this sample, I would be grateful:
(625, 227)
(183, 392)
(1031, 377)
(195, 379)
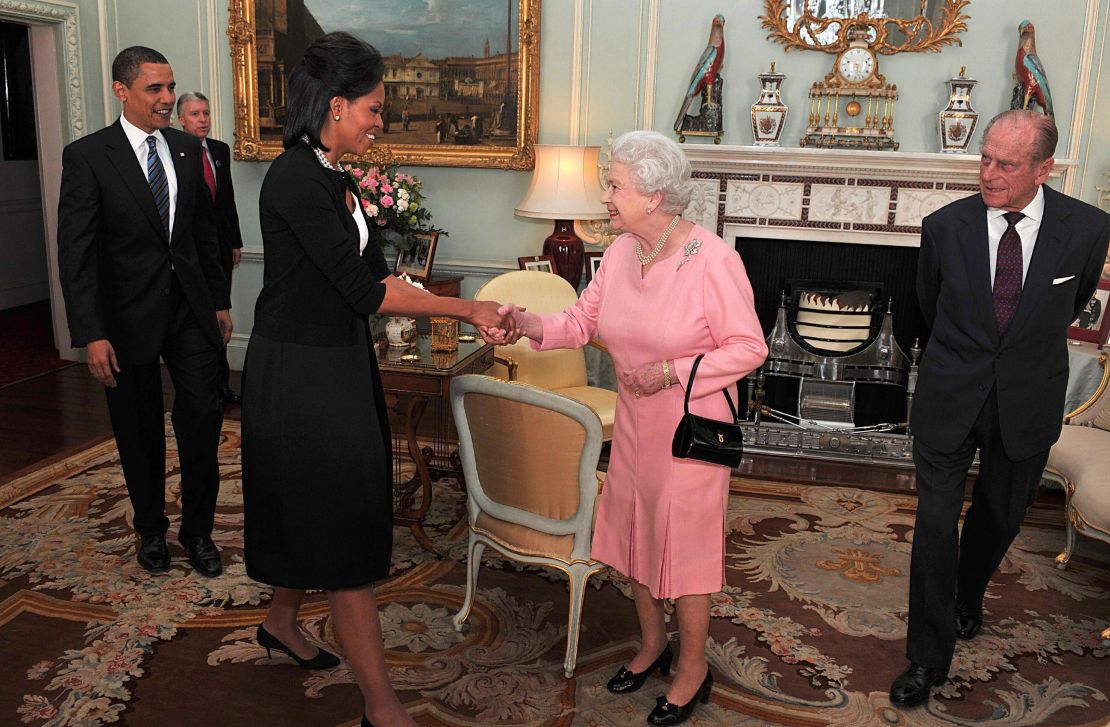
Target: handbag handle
(690, 385)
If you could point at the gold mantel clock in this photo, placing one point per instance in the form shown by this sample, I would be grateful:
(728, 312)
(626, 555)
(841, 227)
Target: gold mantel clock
(853, 106)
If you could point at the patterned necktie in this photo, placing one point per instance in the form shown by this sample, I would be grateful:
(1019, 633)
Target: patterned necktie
(159, 185)
(1007, 274)
(209, 175)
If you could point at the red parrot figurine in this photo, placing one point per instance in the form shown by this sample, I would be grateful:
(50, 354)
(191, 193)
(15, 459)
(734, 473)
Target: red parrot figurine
(705, 72)
(1029, 74)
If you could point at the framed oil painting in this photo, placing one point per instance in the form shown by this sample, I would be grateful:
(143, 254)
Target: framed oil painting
(542, 263)
(1093, 323)
(417, 260)
(461, 81)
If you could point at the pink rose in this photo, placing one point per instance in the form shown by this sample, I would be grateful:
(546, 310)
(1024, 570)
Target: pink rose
(387, 188)
(387, 201)
(356, 172)
(381, 222)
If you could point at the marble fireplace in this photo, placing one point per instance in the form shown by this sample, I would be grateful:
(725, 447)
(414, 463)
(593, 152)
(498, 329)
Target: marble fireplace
(836, 218)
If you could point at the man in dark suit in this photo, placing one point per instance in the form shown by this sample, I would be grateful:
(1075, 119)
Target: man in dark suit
(140, 272)
(195, 116)
(1000, 276)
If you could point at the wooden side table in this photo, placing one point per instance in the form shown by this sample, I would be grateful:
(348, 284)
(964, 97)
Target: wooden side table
(415, 380)
(447, 285)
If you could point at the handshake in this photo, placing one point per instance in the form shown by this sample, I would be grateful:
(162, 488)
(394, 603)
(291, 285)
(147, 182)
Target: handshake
(503, 324)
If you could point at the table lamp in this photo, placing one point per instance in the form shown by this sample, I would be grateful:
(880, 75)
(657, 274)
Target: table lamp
(564, 188)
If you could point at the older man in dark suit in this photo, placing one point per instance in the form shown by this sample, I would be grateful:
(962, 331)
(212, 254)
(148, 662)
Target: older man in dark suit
(140, 272)
(1000, 276)
(195, 115)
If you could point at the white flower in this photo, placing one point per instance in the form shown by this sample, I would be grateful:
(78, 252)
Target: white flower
(402, 205)
(371, 210)
(402, 193)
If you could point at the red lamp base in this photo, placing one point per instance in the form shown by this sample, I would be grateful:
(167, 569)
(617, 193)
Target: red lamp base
(566, 248)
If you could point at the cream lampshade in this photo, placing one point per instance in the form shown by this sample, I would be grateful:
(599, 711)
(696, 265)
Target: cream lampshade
(564, 188)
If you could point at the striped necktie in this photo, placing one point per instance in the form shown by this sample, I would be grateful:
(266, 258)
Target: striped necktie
(1007, 274)
(159, 185)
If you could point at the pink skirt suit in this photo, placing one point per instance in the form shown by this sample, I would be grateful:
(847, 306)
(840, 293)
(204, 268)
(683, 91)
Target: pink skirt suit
(660, 519)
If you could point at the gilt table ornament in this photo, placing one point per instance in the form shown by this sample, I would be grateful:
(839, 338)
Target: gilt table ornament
(769, 112)
(958, 119)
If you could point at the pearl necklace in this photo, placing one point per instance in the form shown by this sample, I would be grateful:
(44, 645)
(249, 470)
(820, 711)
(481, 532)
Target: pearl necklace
(646, 259)
(320, 156)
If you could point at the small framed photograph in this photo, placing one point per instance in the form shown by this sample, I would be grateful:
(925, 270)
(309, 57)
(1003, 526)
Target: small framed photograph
(543, 263)
(593, 262)
(417, 260)
(1093, 323)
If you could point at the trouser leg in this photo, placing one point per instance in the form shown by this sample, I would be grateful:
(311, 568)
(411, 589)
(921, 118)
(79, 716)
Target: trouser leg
(197, 417)
(136, 410)
(1004, 490)
(931, 636)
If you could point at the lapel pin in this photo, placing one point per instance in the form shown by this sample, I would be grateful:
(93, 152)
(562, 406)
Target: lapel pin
(181, 153)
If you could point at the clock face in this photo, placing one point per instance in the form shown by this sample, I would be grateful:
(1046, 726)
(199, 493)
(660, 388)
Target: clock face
(856, 65)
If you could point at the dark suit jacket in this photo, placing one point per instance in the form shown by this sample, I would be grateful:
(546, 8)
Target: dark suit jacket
(965, 356)
(224, 215)
(113, 256)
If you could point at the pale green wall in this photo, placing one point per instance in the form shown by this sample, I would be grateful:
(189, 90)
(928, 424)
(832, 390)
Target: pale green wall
(611, 92)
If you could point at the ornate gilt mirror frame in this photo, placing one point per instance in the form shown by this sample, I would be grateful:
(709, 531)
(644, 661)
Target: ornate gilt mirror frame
(920, 33)
(257, 140)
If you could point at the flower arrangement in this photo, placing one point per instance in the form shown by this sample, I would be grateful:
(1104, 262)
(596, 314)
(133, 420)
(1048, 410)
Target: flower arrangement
(393, 201)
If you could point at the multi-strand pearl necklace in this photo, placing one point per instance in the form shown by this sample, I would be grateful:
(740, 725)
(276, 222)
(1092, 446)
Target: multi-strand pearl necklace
(320, 156)
(646, 259)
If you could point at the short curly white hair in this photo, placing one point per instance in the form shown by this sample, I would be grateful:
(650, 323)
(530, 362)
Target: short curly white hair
(657, 164)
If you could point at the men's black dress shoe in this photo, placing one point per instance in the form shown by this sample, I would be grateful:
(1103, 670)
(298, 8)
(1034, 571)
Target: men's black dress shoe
(625, 681)
(666, 713)
(968, 621)
(229, 396)
(912, 686)
(322, 660)
(203, 555)
(153, 553)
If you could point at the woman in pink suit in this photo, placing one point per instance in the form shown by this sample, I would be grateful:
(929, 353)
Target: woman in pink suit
(666, 291)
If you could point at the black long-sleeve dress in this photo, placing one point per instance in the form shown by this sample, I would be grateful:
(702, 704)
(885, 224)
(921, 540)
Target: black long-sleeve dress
(317, 484)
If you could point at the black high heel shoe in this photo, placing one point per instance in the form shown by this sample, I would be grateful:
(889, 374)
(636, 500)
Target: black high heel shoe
(625, 681)
(666, 713)
(322, 660)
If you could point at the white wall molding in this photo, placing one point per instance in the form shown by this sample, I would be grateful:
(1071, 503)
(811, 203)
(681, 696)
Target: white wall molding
(652, 54)
(578, 101)
(66, 15)
(1079, 121)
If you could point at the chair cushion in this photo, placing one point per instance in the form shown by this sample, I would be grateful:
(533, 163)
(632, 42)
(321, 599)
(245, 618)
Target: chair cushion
(521, 539)
(1083, 457)
(602, 401)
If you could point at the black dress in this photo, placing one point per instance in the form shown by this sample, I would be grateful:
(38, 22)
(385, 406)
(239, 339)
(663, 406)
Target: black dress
(316, 446)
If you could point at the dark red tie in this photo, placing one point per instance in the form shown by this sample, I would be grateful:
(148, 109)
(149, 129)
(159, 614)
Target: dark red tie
(209, 176)
(1007, 274)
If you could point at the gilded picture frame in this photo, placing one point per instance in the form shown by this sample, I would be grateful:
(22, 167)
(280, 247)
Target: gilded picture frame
(501, 139)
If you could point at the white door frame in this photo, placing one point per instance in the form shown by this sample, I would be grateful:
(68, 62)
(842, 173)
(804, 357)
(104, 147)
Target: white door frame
(60, 118)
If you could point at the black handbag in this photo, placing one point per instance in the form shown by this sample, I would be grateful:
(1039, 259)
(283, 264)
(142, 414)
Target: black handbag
(707, 439)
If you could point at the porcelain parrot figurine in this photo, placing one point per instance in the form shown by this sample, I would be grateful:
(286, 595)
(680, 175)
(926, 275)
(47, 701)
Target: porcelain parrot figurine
(1029, 74)
(705, 72)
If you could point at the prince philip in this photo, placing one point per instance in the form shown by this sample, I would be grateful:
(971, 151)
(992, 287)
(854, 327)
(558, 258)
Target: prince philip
(1000, 277)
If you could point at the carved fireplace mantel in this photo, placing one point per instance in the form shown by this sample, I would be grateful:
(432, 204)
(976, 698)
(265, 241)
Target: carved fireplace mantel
(827, 195)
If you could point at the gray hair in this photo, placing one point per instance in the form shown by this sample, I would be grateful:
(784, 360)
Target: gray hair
(1045, 135)
(657, 164)
(189, 96)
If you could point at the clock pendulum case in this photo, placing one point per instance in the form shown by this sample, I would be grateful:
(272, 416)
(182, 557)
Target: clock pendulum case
(853, 107)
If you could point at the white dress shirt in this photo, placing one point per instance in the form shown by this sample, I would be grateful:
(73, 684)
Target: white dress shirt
(1027, 228)
(137, 138)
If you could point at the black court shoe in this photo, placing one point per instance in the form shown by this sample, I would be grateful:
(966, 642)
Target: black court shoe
(912, 686)
(666, 713)
(322, 660)
(626, 681)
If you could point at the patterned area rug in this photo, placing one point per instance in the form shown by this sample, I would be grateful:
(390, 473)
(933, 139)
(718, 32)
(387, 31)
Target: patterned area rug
(808, 631)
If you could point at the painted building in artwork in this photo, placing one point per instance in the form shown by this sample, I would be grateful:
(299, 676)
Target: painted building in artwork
(414, 78)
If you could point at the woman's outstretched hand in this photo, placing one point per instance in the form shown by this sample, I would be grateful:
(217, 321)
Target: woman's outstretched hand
(511, 328)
